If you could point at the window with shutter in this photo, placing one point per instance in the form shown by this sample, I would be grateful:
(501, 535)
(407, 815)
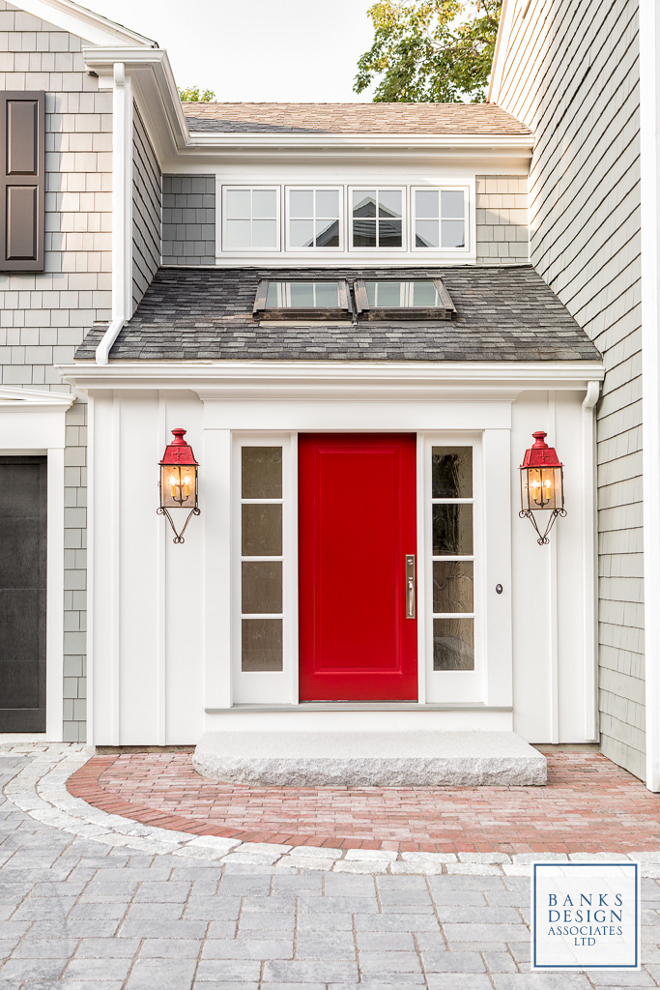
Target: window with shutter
(22, 181)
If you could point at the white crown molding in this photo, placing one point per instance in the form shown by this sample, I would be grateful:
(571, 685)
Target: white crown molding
(83, 23)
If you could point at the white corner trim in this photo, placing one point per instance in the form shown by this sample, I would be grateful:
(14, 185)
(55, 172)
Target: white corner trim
(83, 23)
(649, 42)
(589, 528)
(501, 49)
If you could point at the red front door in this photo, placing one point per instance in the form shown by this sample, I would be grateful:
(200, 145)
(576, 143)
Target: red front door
(357, 524)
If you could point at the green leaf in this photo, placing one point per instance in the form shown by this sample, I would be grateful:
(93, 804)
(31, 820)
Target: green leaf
(191, 94)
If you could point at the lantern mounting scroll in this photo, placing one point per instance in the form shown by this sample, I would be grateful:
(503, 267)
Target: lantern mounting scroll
(178, 482)
(542, 485)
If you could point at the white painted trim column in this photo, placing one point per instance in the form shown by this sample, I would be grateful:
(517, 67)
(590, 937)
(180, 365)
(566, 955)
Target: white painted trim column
(590, 562)
(649, 41)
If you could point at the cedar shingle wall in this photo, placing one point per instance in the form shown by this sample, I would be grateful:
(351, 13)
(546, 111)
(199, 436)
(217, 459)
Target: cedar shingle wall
(146, 209)
(188, 227)
(43, 317)
(572, 74)
(502, 231)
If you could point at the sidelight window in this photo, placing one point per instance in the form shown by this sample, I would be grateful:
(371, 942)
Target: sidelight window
(452, 536)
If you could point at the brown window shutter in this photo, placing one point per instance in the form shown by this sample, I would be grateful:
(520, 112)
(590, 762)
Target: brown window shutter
(22, 181)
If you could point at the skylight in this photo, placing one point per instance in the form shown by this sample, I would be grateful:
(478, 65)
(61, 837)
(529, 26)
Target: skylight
(414, 299)
(297, 299)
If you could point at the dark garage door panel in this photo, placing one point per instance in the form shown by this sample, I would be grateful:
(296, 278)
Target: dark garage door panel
(22, 594)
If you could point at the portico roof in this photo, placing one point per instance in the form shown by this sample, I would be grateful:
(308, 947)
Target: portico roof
(504, 314)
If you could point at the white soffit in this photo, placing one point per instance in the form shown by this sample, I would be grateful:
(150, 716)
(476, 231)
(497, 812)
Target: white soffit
(83, 23)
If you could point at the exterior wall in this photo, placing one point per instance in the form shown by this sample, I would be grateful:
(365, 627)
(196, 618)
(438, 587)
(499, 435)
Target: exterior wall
(188, 227)
(502, 229)
(44, 317)
(146, 209)
(571, 73)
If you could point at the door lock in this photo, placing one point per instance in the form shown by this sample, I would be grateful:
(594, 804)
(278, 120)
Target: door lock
(410, 586)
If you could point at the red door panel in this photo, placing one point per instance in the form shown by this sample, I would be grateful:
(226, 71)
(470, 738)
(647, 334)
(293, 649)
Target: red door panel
(357, 522)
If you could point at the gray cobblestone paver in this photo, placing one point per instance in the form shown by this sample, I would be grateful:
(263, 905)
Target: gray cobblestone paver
(79, 915)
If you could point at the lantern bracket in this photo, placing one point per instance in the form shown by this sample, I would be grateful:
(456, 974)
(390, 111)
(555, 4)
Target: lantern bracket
(544, 538)
(178, 537)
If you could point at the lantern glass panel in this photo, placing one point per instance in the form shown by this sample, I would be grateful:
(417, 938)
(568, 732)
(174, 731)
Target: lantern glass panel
(452, 530)
(453, 644)
(178, 486)
(542, 488)
(261, 644)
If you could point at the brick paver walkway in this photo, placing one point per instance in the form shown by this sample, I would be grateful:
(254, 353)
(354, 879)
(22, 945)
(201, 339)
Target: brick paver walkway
(590, 805)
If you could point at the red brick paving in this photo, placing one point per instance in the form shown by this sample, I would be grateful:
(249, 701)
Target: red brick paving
(589, 805)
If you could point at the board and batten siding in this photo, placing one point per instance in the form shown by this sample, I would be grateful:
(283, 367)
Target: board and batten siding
(571, 73)
(146, 209)
(45, 315)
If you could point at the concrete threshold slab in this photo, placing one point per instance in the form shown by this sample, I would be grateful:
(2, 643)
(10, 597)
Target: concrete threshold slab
(369, 758)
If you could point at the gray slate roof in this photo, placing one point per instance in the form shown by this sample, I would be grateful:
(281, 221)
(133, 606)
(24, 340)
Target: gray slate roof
(503, 314)
(352, 118)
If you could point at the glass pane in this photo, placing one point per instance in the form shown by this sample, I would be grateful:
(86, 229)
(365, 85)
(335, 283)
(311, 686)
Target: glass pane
(453, 588)
(427, 233)
(389, 203)
(264, 203)
(237, 234)
(327, 203)
(301, 203)
(301, 295)
(427, 203)
(301, 234)
(261, 586)
(452, 530)
(327, 295)
(261, 530)
(453, 204)
(261, 472)
(237, 204)
(390, 233)
(364, 203)
(327, 233)
(424, 294)
(453, 644)
(384, 293)
(451, 472)
(261, 648)
(364, 233)
(453, 233)
(264, 233)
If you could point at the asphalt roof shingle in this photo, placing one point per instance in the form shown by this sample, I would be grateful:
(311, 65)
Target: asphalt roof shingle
(503, 314)
(353, 118)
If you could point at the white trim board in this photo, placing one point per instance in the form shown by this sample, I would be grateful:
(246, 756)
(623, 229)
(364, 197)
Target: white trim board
(83, 23)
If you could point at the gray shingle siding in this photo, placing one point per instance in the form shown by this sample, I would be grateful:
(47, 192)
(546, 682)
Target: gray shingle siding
(502, 231)
(188, 220)
(44, 317)
(146, 209)
(572, 75)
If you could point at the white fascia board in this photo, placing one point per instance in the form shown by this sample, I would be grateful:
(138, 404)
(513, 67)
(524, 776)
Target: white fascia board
(22, 398)
(83, 23)
(406, 379)
(153, 74)
(520, 145)
(501, 48)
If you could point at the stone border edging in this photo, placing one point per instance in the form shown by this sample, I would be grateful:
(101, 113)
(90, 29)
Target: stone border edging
(39, 790)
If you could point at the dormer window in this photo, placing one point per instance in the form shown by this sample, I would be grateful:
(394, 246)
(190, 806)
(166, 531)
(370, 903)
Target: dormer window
(377, 218)
(314, 218)
(251, 218)
(439, 219)
(300, 299)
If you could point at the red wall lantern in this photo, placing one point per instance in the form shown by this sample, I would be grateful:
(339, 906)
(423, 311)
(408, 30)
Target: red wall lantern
(178, 481)
(541, 485)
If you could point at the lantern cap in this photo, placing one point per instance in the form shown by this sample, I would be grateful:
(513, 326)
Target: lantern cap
(540, 455)
(179, 451)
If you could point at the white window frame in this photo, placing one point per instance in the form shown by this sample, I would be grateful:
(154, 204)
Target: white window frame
(463, 187)
(307, 187)
(452, 686)
(403, 189)
(268, 687)
(252, 187)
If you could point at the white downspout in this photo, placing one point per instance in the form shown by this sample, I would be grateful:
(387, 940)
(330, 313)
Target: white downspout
(649, 39)
(590, 565)
(122, 209)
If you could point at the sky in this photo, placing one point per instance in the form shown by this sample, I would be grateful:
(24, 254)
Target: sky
(256, 50)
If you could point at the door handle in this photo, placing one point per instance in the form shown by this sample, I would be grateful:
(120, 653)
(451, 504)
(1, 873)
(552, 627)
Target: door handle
(410, 586)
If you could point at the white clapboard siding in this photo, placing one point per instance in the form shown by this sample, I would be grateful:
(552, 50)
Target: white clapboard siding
(571, 73)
